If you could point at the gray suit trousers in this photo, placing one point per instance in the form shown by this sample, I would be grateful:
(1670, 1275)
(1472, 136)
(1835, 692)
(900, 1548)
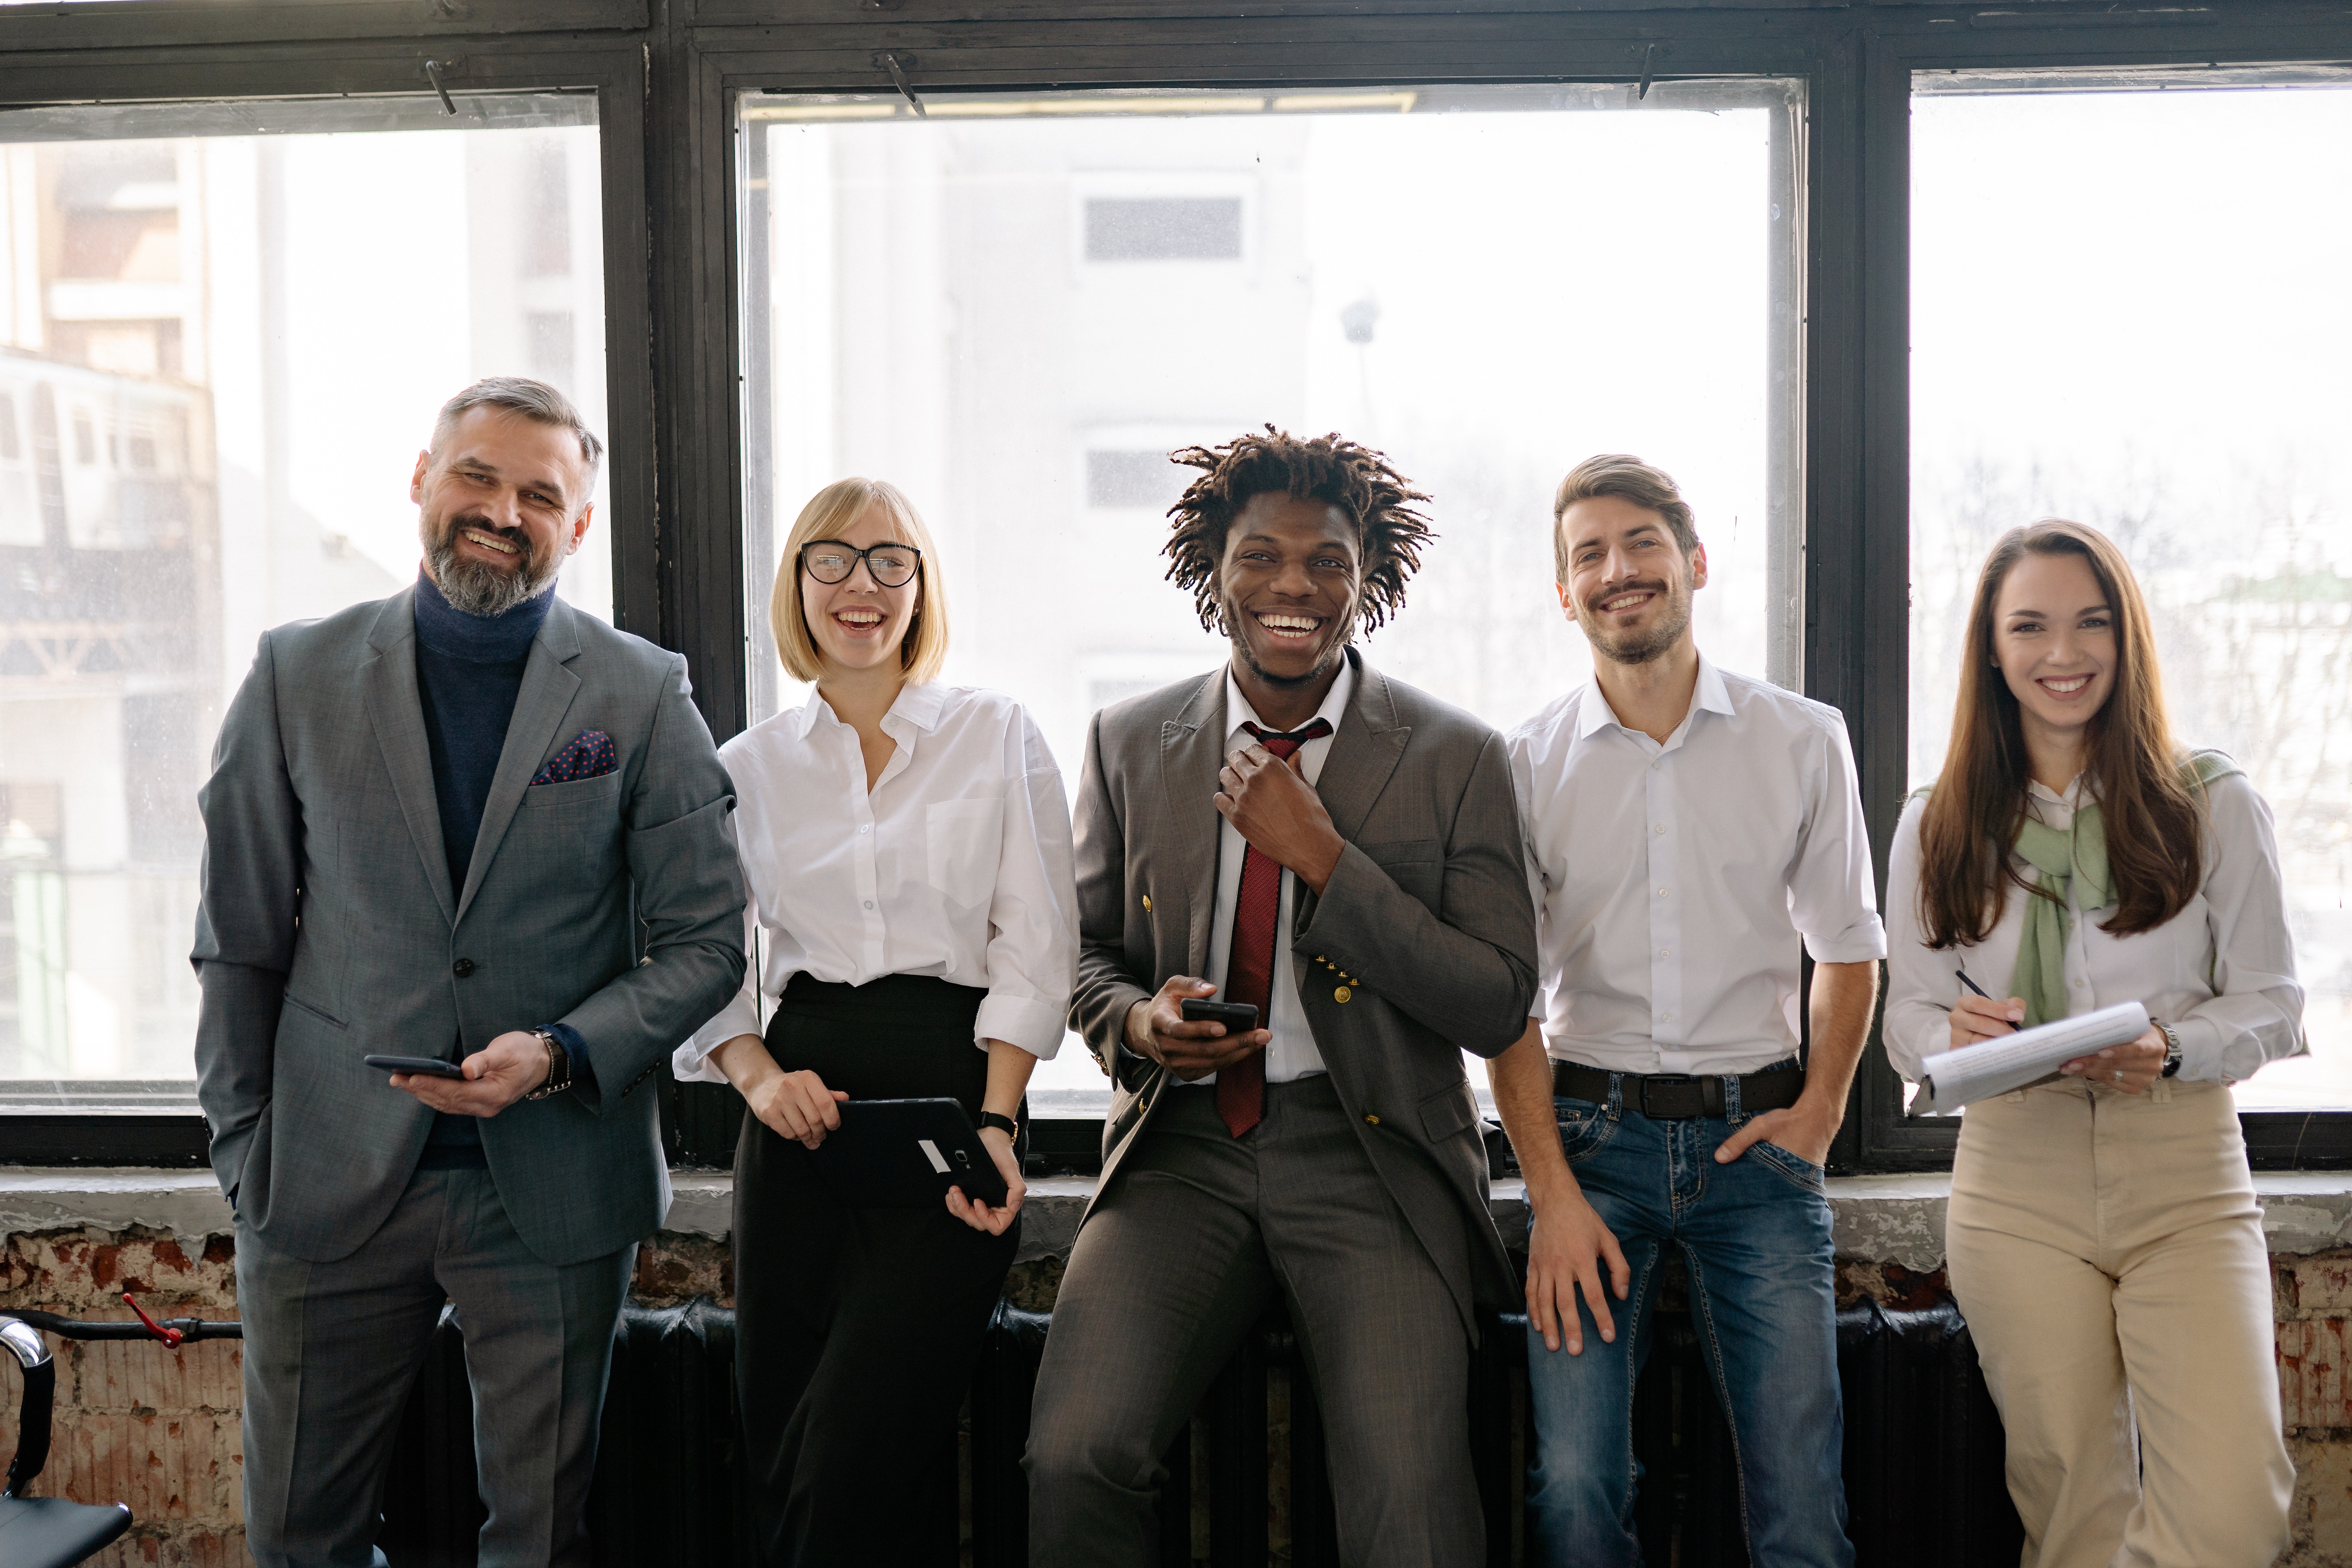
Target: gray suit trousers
(331, 1349)
(1172, 1267)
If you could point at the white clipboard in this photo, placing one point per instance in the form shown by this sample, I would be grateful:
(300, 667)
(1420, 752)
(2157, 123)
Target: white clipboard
(1953, 1079)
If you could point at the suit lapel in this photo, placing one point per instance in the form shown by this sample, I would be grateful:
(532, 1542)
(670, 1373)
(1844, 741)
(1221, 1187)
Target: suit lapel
(1364, 752)
(1191, 749)
(388, 689)
(547, 688)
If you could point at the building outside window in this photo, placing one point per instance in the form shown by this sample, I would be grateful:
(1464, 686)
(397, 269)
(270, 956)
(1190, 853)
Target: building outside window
(223, 333)
(1016, 307)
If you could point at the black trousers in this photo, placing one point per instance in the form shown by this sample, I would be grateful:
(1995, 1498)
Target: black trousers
(856, 1328)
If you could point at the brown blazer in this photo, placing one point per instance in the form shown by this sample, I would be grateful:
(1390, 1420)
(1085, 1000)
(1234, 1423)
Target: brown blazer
(1427, 916)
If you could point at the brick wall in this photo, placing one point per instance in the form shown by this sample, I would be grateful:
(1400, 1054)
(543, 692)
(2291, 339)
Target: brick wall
(158, 1428)
(2313, 1297)
(137, 1423)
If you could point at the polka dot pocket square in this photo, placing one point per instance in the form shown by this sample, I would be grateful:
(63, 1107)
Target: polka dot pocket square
(590, 756)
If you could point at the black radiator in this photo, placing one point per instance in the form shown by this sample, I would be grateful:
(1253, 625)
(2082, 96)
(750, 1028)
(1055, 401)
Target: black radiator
(1246, 1482)
(669, 1483)
(1923, 1443)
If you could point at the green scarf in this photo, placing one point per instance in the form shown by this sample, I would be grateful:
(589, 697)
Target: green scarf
(2076, 859)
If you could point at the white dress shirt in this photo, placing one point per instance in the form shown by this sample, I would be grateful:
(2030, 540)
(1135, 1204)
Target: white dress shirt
(1673, 882)
(2222, 971)
(1291, 1055)
(957, 864)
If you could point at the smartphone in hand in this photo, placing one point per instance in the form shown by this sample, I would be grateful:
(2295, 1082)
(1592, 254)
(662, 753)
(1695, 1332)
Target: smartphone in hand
(1238, 1018)
(423, 1067)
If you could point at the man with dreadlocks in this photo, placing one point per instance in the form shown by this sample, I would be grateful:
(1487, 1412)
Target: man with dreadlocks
(1301, 834)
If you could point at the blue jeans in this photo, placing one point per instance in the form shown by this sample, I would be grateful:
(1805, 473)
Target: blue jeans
(1755, 1235)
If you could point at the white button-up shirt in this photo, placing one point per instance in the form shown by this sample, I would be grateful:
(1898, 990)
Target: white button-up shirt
(2222, 971)
(1291, 1054)
(957, 864)
(1673, 882)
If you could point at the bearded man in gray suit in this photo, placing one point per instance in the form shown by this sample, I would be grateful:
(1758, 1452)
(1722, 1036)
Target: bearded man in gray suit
(466, 823)
(1297, 832)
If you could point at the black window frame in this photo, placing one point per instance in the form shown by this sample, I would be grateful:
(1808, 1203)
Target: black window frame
(667, 74)
(141, 50)
(1880, 1136)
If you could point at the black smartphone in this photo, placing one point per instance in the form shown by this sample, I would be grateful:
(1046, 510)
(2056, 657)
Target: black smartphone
(424, 1066)
(1238, 1018)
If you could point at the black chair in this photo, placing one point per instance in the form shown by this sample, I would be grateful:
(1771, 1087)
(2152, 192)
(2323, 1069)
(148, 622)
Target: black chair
(43, 1531)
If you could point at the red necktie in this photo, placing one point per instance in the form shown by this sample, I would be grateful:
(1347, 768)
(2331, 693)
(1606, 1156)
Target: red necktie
(1249, 967)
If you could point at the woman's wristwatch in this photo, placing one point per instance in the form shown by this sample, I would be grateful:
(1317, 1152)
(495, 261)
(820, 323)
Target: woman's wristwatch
(1004, 1124)
(2171, 1048)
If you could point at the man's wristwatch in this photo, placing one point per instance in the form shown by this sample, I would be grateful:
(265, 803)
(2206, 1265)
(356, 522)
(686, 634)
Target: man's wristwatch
(558, 1066)
(2171, 1048)
(1004, 1124)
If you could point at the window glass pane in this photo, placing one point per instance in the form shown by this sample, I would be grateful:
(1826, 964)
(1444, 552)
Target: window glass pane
(2127, 309)
(225, 329)
(1015, 307)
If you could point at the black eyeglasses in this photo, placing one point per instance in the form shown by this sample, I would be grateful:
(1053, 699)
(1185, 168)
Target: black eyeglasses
(831, 560)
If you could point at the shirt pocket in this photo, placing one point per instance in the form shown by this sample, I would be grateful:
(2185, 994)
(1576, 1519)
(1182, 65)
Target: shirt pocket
(962, 840)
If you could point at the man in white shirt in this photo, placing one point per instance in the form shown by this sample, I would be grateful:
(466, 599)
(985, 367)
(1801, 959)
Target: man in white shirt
(1299, 833)
(1688, 828)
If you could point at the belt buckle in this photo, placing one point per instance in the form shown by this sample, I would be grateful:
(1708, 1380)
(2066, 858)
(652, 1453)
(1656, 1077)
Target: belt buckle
(1667, 1081)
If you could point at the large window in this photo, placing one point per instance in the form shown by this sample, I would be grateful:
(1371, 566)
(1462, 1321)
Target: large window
(223, 332)
(2129, 308)
(1016, 307)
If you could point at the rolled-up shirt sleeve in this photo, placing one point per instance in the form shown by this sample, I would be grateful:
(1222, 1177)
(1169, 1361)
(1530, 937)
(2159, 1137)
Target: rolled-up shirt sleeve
(1033, 941)
(2255, 1014)
(1833, 900)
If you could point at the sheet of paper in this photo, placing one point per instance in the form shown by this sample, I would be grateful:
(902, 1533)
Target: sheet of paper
(1979, 1071)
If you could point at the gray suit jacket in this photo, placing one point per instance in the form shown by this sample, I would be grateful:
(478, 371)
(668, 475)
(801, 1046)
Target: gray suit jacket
(1428, 913)
(328, 929)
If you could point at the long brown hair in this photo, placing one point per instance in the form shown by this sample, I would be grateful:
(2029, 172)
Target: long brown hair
(2154, 828)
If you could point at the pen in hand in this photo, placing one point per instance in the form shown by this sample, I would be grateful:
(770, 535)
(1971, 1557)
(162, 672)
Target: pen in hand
(1962, 975)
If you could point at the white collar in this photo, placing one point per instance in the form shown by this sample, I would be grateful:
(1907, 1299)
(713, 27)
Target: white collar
(916, 711)
(1710, 695)
(1238, 711)
(2071, 798)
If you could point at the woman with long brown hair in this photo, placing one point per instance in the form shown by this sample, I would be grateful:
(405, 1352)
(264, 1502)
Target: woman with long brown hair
(2103, 1236)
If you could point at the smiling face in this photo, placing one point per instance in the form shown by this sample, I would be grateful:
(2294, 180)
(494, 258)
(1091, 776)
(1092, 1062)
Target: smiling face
(2053, 639)
(856, 623)
(1289, 587)
(1629, 585)
(499, 508)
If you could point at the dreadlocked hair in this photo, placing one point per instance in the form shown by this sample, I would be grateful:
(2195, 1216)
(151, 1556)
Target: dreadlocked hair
(1329, 468)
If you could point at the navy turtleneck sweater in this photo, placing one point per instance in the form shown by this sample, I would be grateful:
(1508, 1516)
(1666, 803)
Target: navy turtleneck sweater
(468, 674)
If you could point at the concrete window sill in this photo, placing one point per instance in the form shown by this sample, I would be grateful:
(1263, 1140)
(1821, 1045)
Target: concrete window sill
(1881, 1219)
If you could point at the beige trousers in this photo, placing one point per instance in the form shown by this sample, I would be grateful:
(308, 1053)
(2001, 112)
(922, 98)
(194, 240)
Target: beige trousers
(2108, 1253)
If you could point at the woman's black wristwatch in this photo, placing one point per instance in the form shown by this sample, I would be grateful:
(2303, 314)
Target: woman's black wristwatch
(1004, 1124)
(2171, 1048)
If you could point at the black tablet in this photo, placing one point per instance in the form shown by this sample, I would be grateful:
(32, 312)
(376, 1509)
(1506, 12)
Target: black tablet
(907, 1154)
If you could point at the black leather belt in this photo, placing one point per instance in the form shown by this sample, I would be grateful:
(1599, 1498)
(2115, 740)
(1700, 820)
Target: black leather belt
(1671, 1096)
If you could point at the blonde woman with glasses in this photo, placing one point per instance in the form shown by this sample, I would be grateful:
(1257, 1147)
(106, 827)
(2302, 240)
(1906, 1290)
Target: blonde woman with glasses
(907, 848)
(2103, 1237)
